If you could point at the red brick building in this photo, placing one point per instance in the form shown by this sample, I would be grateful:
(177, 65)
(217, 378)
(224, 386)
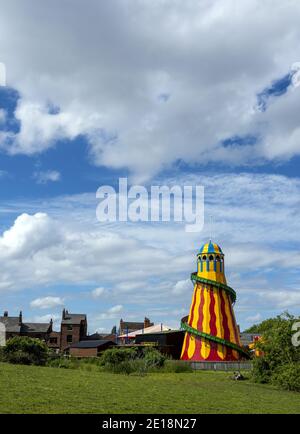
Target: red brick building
(54, 341)
(128, 326)
(90, 348)
(73, 329)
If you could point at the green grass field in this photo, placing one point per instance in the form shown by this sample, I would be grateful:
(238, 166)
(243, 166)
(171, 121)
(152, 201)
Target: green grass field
(29, 389)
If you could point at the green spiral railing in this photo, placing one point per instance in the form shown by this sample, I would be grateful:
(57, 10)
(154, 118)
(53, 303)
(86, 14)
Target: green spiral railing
(216, 339)
(219, 285)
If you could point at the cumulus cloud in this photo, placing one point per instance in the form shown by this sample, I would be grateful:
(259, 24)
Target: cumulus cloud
(156, 79)
(46, 302)
(28, 236)
(52, 252)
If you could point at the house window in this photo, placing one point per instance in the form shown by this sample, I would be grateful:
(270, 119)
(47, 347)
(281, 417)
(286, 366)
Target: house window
(53, 340)
(69, 327)
(69, 339)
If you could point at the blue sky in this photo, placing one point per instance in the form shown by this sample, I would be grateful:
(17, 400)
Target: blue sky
(105, 96)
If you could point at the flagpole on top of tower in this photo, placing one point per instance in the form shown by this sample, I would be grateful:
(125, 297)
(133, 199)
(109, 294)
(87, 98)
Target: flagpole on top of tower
(210, 224)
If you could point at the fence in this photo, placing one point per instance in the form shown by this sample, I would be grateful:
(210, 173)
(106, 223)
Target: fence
(221, 366)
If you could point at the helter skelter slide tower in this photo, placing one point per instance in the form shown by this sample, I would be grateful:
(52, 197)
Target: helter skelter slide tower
(211, 330)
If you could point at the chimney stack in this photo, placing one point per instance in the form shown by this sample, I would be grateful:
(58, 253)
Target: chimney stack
(20, 317)
(64, 313)
(146, 322)
(5, 313)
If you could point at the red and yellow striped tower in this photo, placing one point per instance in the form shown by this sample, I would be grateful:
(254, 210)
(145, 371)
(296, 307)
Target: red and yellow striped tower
(211, 330)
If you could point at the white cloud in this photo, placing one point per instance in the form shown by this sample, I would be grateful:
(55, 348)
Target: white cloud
(115, 309)
(110, 90)
(52, 251)
(111, 313)
(29, 235)
(182, 286)
(47, 302)
(98, 292)
(282, 299)
(47, 176)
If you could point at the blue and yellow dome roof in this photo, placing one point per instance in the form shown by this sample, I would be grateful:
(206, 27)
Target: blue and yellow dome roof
(210, 248)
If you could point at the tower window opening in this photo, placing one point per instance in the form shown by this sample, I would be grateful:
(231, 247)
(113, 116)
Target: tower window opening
(218, 258)
(211, 258)
(204, 258)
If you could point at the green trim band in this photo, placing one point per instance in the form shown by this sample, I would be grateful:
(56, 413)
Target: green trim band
(221, 341)
(219, 285)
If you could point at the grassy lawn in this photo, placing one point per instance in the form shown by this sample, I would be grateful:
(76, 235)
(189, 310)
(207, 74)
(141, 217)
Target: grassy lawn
(29, 389)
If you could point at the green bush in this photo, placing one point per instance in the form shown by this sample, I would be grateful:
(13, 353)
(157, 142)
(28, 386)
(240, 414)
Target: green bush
(132, 360)
(86, 364)
(287, 377)
(26, 351)
(2, 356)
(128, 367)
(177, 366)
(153, 358)
(64, 363)
(115, 356)
(261, 372)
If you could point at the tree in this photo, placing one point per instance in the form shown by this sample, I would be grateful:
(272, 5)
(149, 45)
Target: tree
(26, 351)
(280, 363)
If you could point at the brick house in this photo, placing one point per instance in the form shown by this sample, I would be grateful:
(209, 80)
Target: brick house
(73, 329)
(128, 327)
(89, 348)
(14, 326)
